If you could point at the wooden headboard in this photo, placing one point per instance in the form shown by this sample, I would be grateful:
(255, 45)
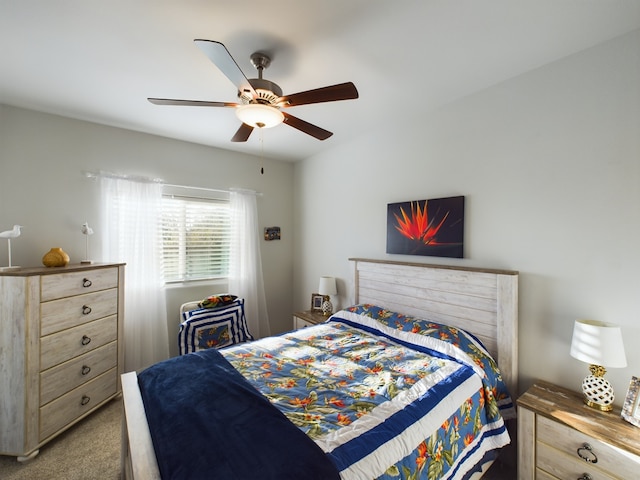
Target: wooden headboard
(481, 301)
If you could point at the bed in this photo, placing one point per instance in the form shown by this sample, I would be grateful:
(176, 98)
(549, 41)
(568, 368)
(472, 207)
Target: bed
(406, 311)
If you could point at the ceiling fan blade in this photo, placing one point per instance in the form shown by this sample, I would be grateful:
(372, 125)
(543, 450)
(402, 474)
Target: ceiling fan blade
(242, 135)
(342, 91)
(222, 59)
(190, 103)
(306, 127)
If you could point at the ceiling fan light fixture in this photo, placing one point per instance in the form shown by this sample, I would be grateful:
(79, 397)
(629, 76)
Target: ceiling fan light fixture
(258, 115)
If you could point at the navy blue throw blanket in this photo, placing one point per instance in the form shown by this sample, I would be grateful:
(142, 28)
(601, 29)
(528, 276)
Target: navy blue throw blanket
(208, 422)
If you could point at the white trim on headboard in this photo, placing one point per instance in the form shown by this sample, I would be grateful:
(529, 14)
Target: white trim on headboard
(481, 301)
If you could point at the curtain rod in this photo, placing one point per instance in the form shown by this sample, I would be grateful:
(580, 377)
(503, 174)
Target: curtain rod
(158, 180)
(206, 189)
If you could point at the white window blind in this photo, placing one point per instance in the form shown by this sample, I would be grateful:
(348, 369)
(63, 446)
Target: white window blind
(195, 238)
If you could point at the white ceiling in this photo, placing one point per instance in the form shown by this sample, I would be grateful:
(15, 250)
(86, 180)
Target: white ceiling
(99, 60)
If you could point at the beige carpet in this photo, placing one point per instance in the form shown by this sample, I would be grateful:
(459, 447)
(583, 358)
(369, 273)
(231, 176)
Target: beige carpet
(90, 450)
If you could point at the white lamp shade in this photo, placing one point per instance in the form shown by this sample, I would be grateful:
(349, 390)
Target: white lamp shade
(598, 343)
(258, 115)
(327, 286)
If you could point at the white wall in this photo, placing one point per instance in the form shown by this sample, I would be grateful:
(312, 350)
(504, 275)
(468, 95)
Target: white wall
(549, 164)
(42, 186)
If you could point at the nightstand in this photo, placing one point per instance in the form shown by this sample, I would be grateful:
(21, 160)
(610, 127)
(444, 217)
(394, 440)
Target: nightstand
(307, 318)
(559, 437)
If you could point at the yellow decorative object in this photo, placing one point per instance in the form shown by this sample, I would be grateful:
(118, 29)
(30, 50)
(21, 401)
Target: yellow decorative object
(56, 257)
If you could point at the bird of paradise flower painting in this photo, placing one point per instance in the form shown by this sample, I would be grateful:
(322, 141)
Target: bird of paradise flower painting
(426, 227)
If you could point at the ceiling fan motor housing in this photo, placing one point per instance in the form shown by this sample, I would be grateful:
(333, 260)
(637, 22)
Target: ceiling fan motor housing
(267, 92)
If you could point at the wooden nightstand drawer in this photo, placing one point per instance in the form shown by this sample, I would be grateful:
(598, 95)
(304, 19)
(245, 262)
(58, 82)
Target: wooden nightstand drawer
(554, 438)
(307, 318)
(58, 315)
(65, 377)
(62, 346)
(77, 402)
(560, 465)
(68, 284)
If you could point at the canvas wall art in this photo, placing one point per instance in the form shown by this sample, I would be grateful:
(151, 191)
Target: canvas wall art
(426, 227)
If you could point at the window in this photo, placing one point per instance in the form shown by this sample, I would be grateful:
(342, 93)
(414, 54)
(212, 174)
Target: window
(195, 238)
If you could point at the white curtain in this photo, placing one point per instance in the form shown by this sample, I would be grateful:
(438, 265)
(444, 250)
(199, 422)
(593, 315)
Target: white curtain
(130, 234)
(245, 266)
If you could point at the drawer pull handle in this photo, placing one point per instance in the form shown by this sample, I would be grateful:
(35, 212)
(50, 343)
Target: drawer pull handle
(85, 399)
(86, 340)
(585, 476)
(590, 457)
(85, 370)
(86, 309)
(86, 283)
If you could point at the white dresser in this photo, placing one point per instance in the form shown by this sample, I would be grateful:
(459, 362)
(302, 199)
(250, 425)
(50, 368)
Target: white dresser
(61, 350)
(559, 437)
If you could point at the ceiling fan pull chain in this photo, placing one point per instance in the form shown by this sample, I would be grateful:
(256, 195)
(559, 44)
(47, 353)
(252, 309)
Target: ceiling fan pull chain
(261, 153)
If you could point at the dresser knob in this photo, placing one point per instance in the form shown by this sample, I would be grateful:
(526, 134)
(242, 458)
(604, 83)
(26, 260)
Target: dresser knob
(86, 340)
(86, 309)
(86, 283)
(585, 476)
(85, 370)
(85, 399)
(588, 456)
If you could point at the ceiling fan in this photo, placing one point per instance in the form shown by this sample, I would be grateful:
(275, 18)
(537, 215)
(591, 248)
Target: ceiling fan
(261, 101)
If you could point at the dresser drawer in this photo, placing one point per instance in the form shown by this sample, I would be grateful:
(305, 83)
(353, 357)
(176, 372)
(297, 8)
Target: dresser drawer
(62, 378)
(58, 315)
(62, 346)
(542, 475)
(555, 437)
(57, 414)
(67, 284)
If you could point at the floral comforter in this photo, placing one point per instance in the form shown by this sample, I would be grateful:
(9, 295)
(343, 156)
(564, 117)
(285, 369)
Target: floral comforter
(383, 394)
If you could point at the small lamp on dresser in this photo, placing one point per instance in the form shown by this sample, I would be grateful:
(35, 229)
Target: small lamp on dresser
(327, 288)
(86, 231)
(599, 344)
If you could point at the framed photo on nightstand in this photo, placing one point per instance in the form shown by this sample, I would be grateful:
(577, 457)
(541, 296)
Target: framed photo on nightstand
(317, 301)
(631, 407)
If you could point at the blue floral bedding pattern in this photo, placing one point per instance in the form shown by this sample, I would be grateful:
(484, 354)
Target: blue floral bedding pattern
(458, 338)
(362, 389)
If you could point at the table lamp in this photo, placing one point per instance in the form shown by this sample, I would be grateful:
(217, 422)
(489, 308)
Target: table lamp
(86, 231)
(599, 344)
(327, 287)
